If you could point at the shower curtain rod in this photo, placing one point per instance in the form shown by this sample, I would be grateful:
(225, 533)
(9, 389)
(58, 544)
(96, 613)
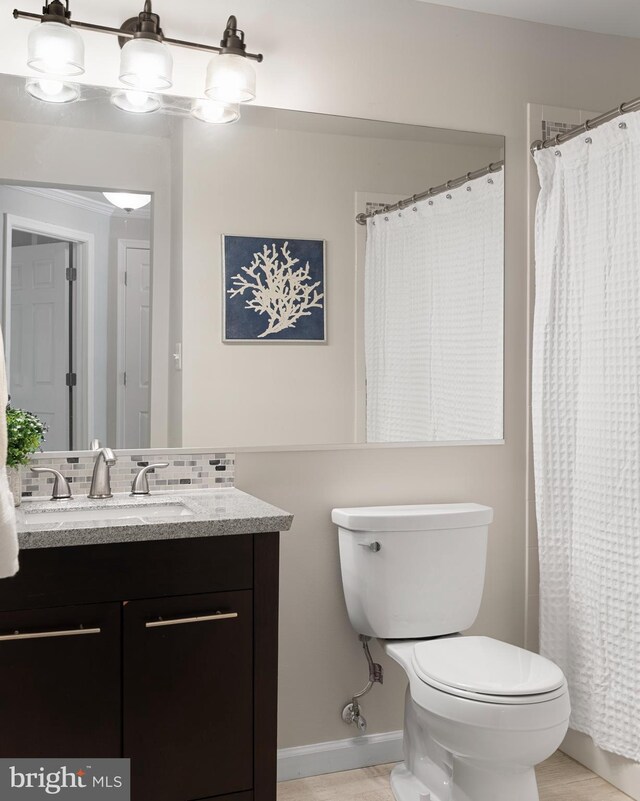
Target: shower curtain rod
(496, 166)
(623, 108)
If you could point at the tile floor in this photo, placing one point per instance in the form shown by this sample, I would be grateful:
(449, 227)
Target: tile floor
(559, 779)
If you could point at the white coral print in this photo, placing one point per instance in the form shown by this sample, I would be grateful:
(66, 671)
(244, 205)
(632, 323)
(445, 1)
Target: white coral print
(278, 290)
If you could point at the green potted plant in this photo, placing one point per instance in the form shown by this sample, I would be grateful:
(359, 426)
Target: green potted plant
(25, 435)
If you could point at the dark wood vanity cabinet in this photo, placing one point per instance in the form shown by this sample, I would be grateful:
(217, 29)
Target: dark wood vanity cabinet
(188, 679)
(60, 691)
(175, 668)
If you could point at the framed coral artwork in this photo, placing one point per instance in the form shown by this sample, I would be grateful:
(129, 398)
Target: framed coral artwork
(274, 289)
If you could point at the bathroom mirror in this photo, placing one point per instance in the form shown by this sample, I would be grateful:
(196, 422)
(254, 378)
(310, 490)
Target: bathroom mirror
(77, 312)
(256, 311)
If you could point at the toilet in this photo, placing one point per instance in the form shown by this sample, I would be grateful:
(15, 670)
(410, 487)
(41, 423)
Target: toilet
(479, 713)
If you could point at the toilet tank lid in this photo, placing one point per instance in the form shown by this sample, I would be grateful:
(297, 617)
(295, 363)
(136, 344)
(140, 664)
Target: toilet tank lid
(418, 517)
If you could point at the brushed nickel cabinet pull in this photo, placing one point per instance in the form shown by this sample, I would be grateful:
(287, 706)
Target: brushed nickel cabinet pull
(179, 621)
(41, 635)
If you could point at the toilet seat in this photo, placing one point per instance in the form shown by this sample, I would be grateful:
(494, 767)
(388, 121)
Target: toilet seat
(509, 700)
(487, 670)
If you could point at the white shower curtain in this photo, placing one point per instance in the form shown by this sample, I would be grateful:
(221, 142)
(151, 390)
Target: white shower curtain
(586, 425)
(433, 317)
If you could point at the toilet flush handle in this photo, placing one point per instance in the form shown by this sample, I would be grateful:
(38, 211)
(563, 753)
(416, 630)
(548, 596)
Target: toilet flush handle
(372, 546)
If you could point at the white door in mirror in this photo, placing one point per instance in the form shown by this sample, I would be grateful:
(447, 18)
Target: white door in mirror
(39, 336)
(133, 333)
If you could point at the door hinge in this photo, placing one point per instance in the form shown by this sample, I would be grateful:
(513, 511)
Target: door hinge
(71, 379)
(126, 280)
(72, 274)
(124, 378)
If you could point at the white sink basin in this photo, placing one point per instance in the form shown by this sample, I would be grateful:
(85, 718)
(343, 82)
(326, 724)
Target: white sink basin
(123, 513)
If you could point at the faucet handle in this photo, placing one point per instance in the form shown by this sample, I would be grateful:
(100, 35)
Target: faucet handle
(61, 488)
(95, 445)
(140, 484)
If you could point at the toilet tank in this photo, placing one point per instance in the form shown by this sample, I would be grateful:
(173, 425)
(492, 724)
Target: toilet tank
(413, 571)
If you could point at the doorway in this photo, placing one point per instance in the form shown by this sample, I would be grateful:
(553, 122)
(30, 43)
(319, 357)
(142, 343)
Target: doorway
(47, 323)
(133, 348)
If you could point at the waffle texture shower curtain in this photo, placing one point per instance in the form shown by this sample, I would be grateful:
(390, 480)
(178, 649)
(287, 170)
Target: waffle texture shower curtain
(586, 425)
(433, 317)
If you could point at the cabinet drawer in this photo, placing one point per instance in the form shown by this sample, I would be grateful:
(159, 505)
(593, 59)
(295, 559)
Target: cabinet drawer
(61, 683)
(188, 696)
(96, 573)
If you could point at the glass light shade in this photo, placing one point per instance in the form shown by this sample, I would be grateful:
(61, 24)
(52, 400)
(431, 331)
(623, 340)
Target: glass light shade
(52, 90)
(212, 111)
(136, 102)
(146, 65)
(128, 201)
(55, 49)
(230, 79)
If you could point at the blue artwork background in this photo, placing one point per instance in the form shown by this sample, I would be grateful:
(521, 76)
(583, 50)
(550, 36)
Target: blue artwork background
(242, 323)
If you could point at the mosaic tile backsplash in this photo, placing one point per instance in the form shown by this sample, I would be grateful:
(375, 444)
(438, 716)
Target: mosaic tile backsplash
(192, 471)
(550, 129)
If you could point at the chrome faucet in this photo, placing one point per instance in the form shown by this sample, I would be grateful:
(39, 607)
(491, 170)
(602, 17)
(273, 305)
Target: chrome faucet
(101, 481)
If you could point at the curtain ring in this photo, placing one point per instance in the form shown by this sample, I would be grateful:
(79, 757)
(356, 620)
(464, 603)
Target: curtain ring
(556, 140)
(468, 176)
(587, 125)
(621, 108)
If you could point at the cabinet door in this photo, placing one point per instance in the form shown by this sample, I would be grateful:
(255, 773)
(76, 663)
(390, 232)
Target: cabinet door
(60, 690)
(188, 696)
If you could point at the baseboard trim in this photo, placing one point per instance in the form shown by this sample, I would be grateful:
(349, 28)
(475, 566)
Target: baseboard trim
(618, 771)
(337, 755)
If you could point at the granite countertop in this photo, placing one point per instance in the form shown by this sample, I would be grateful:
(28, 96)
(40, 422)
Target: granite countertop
(195, 513)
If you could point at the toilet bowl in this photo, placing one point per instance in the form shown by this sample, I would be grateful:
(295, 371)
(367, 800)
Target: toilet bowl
(468, 742)
(479, 713)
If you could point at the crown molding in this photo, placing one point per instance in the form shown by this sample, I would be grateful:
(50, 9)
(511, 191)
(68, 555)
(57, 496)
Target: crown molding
(80, 201)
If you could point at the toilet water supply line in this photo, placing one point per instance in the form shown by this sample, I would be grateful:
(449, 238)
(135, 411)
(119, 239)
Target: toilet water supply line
(351, 713)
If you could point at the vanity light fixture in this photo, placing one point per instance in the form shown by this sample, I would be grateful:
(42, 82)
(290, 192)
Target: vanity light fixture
(128, 201)
(146, 63)
(54, 48)
(230, 77)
